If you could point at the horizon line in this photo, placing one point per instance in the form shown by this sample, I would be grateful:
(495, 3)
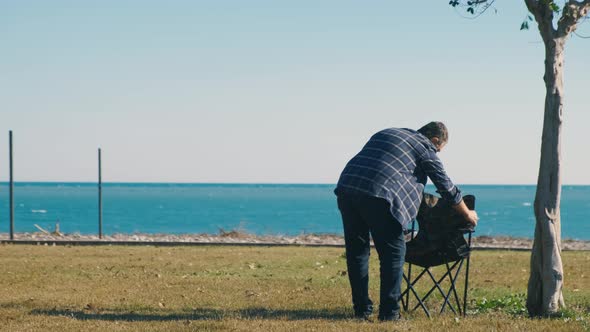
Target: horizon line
(252, 183)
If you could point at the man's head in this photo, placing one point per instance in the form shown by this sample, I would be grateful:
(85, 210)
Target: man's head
(437, 133)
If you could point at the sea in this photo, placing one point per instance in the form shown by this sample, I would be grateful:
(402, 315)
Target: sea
(263, 209)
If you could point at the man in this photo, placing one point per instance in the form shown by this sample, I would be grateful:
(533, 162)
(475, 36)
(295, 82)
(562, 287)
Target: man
(379, 192)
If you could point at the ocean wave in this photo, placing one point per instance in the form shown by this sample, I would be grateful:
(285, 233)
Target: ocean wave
(39, 211)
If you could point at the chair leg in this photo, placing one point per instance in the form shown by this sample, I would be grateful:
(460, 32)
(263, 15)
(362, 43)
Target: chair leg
(440, 290)
(405, 292)
(453, 288)
(404, 305)
(437, 284)
(411, 288)
(407, 302)
(466, 278)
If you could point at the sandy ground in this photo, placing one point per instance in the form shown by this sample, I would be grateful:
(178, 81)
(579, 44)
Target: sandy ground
(239, 237)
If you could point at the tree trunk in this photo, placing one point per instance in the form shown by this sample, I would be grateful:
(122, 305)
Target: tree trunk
(546, 279)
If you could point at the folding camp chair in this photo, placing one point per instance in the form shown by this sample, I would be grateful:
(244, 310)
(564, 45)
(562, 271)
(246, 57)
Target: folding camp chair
(440, 241)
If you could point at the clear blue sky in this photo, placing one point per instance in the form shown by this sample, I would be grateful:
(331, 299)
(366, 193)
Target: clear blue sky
(273, 91)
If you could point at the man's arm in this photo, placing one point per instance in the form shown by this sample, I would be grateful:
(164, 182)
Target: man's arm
(434, 169)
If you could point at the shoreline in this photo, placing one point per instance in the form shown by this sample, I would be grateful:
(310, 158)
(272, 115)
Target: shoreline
(240, 238)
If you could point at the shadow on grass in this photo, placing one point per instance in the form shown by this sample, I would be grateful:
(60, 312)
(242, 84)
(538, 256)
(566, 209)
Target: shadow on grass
(200, 314)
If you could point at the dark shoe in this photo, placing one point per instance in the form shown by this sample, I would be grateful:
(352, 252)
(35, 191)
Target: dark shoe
(390, 318)
(364, 312)
(363, 316)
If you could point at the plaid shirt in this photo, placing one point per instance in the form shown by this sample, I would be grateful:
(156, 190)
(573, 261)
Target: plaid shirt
(394, 165)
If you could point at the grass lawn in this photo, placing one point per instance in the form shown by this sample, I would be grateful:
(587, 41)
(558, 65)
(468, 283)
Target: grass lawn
(118, 288)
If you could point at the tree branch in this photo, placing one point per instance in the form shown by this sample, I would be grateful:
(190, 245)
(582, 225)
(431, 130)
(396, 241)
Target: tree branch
(532, 6)
(584, 3)
(544, 16)
(572, 13)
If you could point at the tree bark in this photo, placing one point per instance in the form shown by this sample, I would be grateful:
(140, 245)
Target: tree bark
(545, 295)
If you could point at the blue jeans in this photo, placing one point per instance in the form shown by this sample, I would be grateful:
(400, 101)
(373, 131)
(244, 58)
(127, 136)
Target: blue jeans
(361, 216)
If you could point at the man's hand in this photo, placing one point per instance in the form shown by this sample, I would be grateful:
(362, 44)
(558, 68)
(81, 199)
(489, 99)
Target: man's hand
(470, 215)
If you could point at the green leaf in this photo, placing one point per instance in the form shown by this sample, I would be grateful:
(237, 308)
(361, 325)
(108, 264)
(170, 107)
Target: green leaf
(524, 25)
(470, 10)
(554, 7)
